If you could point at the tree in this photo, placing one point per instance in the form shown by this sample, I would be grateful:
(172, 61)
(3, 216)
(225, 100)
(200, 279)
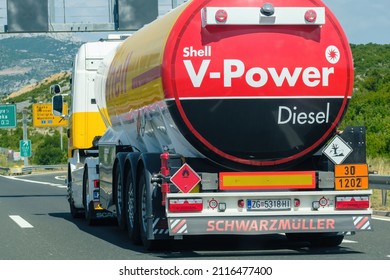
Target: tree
(49, 151)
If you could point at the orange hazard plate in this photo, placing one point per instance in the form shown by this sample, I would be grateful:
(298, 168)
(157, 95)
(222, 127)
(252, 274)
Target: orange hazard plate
(351, 177)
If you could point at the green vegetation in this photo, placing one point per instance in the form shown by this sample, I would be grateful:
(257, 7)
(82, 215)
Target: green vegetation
(46, 148)
(41, 92)
(48, 151)
(45, 142)
(370, 104)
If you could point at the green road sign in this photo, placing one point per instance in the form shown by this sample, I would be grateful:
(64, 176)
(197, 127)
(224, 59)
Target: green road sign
(25, 148)
(7, 115)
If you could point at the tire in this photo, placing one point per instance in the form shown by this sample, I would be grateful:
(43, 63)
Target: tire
(132, 221)
(119, 199)
(89, 213)
(142, 213)
(322, 240)
(328, 241)
(76, 213)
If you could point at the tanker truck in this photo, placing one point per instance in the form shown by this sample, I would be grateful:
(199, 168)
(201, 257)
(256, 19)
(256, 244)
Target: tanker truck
(222, 118)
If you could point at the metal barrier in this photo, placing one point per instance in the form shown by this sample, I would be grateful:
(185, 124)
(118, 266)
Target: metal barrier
(380, 182)
(31, 168)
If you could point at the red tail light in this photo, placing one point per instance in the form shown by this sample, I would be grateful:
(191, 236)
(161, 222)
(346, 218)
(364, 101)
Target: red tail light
(352, 202)
(185, 205)
(96, 184)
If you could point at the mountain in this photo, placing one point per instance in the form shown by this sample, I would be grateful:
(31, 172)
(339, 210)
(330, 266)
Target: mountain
(26, 60)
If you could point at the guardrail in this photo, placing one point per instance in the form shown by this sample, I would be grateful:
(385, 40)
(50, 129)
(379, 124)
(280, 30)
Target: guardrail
(30, 168)
(380, 182)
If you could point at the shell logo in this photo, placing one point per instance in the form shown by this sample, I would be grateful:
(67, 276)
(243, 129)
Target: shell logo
(332, 54)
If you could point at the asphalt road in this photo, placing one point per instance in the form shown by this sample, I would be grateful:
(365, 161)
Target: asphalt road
(36, 225)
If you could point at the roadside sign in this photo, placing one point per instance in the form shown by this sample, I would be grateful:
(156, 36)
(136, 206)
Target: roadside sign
(25, 148)
(185, 178)
(7, 115)
(43, 116)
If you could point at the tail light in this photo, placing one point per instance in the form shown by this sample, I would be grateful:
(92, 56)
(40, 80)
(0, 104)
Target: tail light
(352, 202)
(241, 203)
(96, 184)
(185, 205)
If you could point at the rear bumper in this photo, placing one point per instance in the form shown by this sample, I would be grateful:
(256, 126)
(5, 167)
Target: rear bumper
(300, 218)
(256, 225)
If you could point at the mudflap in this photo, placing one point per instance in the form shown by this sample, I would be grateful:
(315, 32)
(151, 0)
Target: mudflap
(159, 222)
(94, 216)
(103, 214)
(268, 225)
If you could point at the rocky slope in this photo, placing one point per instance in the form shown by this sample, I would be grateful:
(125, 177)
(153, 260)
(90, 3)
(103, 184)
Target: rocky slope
(25, 60)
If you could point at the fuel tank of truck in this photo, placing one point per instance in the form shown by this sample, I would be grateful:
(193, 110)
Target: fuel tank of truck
(254, 83)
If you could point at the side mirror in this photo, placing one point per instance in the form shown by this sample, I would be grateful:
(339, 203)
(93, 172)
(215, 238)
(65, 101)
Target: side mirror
(55, 89)
(57, 105)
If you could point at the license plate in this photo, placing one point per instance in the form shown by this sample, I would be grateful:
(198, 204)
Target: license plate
(269, 204)
(351, 177)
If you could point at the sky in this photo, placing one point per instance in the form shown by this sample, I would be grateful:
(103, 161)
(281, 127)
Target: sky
(364, 21)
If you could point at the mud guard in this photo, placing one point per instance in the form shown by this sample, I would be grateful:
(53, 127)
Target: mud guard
(157, 227)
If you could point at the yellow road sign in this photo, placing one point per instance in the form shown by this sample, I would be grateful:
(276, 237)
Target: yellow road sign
(43, 116)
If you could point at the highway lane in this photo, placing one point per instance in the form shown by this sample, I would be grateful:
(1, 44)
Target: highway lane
(54, 235)
(36, 225)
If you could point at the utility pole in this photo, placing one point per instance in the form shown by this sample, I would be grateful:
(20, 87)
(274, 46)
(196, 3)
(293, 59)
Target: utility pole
(52, 10)
(62, 141)
(25, 134)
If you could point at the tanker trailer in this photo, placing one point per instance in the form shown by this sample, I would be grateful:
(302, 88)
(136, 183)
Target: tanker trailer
(222, 118)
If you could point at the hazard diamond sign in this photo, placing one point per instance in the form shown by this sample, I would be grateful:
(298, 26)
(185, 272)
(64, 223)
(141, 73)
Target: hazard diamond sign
(337, 150)
(185, 178)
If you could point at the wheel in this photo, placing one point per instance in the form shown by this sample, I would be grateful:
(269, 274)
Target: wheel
(76, 213)
(143, 213)
(132, 221)
(330, 239)
(119, 201)
(89, 213)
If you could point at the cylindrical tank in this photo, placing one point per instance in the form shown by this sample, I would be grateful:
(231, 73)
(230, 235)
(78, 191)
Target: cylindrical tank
(255, 83)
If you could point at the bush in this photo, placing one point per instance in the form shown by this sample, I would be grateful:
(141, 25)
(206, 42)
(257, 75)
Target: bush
(49, 151)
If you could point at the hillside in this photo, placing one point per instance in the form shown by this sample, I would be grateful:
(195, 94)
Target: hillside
(30, 87)
(370, 104)
(28, 60)
(45, 141)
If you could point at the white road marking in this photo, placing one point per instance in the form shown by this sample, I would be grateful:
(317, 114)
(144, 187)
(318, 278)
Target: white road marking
(20, 221)
(349, 241)
(381, 219)
(36, 182)
(60, 178)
